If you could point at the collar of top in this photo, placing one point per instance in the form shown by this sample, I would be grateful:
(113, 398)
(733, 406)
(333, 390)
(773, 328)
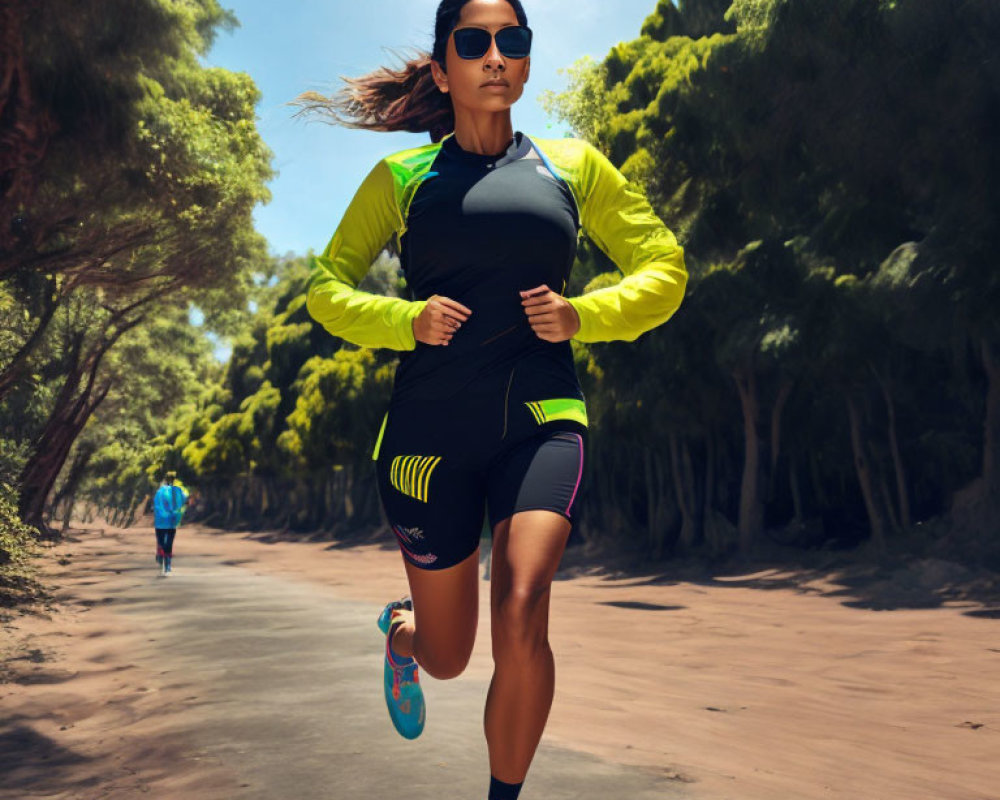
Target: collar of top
(517, 148)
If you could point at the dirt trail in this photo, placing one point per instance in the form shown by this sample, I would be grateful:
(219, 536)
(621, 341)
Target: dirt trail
(254, 671)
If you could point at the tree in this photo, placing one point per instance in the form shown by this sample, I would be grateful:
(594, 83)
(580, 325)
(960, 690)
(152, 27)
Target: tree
(816, 129)
(130, 181)
(121, 110)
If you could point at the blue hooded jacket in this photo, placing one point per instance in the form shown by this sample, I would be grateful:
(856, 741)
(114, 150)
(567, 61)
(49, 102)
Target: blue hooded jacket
(167, 503)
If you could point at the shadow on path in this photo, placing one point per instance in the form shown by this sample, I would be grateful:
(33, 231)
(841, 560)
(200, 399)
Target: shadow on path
(31, 760)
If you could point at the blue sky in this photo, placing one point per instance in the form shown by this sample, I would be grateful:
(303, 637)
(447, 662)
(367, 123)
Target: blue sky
(288, 48)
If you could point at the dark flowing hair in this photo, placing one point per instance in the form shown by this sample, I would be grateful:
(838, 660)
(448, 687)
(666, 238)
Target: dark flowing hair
(403, 99)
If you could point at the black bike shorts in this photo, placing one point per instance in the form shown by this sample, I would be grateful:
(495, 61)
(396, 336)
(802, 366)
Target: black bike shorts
(440, 466)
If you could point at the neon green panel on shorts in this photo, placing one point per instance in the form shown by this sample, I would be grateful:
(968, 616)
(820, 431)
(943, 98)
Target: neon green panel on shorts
(558, 408)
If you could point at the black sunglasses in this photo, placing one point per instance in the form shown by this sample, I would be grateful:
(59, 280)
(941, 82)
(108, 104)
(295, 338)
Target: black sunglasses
(512, 42)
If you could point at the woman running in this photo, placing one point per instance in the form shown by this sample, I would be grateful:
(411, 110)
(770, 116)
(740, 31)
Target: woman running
(486, 411)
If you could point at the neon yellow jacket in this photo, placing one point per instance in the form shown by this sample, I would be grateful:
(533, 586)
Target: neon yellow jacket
(613, 213)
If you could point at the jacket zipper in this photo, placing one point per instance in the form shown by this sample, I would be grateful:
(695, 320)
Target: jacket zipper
(506, 401)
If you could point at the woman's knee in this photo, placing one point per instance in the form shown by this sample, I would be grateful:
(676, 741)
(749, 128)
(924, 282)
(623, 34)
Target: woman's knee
(521, 620)
(443, 666)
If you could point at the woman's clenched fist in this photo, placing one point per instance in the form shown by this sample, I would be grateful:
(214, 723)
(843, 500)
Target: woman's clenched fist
(439, 320)
(550, 315)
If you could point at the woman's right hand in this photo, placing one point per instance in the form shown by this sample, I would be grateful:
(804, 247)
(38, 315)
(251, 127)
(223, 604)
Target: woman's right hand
(439, 320)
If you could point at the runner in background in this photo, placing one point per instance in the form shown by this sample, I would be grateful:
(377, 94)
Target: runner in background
(168, 508)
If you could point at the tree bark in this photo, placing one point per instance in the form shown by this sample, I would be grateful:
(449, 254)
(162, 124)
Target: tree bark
(709, 495)
(36, 476)
(687, 517)
(886, 495)
(793, 480)
(817, 482)
(902, 494)
(67, 492)
(751, 511)
(692, 534)
(135, 508)
(69, 415)
(776, 414)
(42, 470)
(863, 468)
(654, 531)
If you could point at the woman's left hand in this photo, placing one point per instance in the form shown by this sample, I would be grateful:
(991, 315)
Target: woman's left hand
(550, 315)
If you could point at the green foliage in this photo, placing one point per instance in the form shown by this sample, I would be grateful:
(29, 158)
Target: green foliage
(132, 176)
(340, 401)
(665, 22)
(13, 454)
(753, 18)
(582, 104)
(223, 451)
(828, 168)
(17, 540)
(693, 18)
(154, 371)
(291, 399)
(127, 114)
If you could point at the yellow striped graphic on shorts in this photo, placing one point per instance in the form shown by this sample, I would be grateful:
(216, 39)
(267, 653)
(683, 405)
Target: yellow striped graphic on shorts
(411, 475)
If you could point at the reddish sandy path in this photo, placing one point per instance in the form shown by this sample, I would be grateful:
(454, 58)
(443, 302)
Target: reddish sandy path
(739, 692)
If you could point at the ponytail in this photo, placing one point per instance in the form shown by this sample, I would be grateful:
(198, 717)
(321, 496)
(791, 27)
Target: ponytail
(404, 99)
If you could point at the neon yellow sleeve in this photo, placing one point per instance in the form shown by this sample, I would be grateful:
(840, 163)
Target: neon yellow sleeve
(333, 300)
(617, 217)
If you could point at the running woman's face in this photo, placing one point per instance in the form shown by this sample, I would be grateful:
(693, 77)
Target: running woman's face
(493, 82)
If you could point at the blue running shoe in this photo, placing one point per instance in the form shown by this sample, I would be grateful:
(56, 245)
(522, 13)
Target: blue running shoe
(401, 681)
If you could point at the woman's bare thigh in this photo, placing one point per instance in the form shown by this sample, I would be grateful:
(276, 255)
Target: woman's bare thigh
(446, 613)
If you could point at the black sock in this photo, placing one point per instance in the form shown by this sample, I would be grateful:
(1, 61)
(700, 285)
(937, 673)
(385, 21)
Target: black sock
(504, 791)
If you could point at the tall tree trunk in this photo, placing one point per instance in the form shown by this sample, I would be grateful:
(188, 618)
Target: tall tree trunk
(694, 534)
(902, 494)
(793, 480)
(886, 496)
(75, 473)
(69, 415)
(37, 473)
(687, 515)
(991, 425)
(751, 510)
(67, 492)
(777, 412)
(351, 495)
(136, 509)
(654, 527)
(863, 468)
(42, 469)
(709, 527)
(817, 482)
(709, 498)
